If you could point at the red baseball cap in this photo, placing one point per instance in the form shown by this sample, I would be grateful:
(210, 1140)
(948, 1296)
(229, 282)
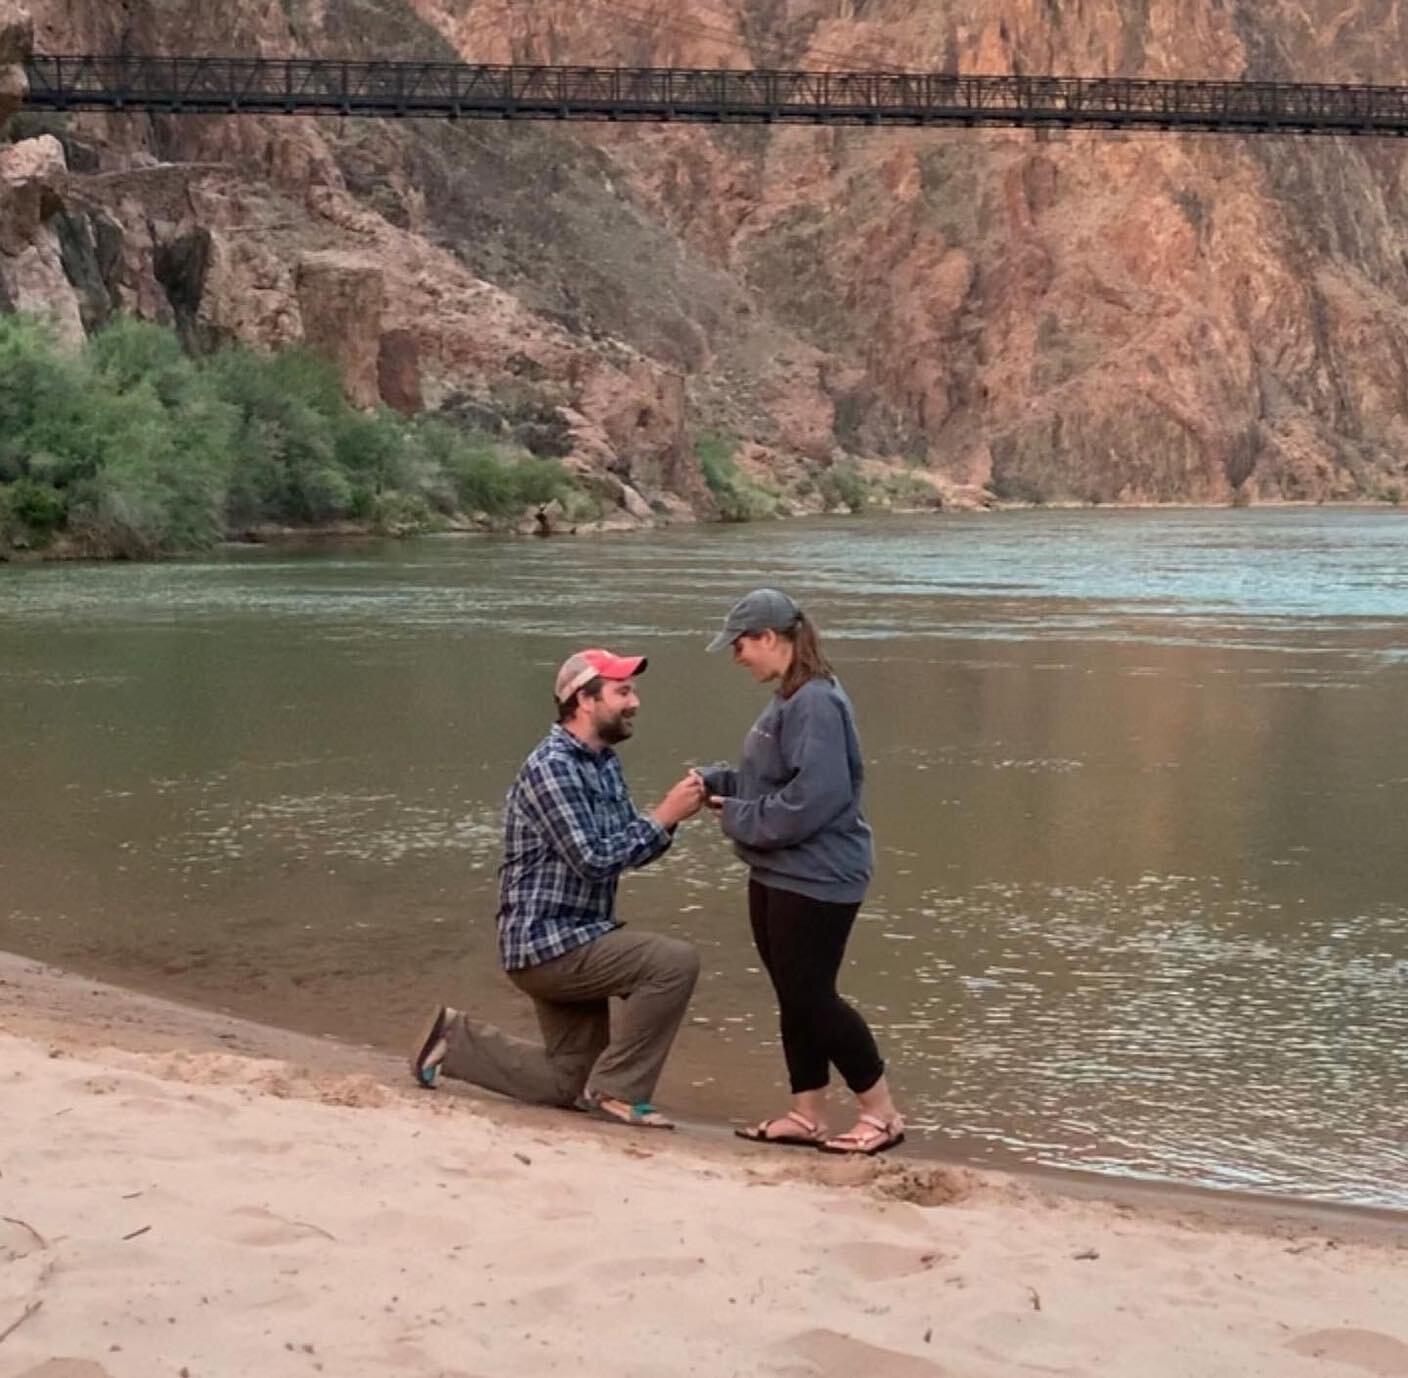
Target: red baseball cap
(587, 665)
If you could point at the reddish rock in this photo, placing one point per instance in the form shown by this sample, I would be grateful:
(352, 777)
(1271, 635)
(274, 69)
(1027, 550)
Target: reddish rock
(16, 43)
(398, 372)
(1084, 317)
(31, 175)
(341, 298)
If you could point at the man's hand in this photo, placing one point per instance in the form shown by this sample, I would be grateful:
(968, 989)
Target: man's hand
(684, 800)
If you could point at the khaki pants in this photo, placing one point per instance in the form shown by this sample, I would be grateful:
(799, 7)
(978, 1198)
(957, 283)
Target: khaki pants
(584, 1044)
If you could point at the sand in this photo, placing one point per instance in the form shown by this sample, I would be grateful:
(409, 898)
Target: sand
(186, 1194)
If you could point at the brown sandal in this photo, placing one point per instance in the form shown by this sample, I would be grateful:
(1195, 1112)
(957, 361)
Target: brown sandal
(812, 1135)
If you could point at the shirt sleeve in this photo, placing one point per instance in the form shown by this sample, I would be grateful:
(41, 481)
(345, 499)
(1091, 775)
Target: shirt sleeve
(557, 801)
(814, 749)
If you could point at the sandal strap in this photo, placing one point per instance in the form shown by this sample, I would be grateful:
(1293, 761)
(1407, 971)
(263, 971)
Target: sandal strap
(798, 1118)
(859, 1136)
(639, 1112)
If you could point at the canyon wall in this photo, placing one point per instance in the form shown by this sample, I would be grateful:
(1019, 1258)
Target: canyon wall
(1080, 317)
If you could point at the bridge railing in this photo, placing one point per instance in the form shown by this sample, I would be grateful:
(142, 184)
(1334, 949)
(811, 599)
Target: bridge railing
(313, 86)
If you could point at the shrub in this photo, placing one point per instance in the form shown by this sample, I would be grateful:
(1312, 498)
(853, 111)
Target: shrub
(716, 462)
(842, 486)
(131, 448)
(34, 511)
(739, 499)
(400, 514)
(488, 476)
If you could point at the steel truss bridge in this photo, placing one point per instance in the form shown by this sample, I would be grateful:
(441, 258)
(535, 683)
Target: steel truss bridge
(261, 86)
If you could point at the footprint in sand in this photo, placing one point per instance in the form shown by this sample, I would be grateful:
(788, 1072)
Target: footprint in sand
(109, 1083)
(833, 1355)
(657, 1267)
(19, 1240)
(1368, 1350)
(263, 1148)
(876, 1262)
(66, 1368)
(167, 1105)
(262, 1228)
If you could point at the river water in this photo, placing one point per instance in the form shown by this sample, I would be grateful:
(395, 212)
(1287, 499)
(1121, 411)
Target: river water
(1139, 783)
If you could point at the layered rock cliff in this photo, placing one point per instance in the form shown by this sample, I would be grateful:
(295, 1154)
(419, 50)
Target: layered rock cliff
(1066, 318)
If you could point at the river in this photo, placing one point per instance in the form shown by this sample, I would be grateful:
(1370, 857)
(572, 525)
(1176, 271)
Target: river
(1139, 782)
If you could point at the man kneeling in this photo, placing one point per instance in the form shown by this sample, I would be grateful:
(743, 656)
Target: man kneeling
(570, 830)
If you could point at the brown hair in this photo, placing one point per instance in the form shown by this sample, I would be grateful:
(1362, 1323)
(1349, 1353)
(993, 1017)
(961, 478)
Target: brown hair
(590, 690)
(808, 662)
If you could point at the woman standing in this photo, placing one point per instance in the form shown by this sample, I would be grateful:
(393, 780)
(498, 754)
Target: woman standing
(793, 810)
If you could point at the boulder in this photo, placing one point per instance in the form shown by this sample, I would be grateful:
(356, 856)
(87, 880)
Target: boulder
(35, 283)
(29, 176)
(550, 519)
(636, 505)
(341, 298)
(33, 160)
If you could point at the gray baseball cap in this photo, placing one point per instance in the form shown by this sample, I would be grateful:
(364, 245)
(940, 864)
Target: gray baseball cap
(760, 611)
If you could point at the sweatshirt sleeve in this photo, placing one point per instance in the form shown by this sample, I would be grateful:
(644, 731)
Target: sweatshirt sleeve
(721, 779)
(814, 749)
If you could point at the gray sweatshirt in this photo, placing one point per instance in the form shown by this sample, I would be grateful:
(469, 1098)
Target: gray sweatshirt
(793, 806)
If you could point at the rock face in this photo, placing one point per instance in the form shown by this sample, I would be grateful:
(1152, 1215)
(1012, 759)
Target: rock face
(341, 301)
(16, 43)
(1082, 318)
(398, 371)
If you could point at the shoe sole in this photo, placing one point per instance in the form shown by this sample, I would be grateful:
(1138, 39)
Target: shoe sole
(785, 1141)
(430, 1050)
(864, 1152)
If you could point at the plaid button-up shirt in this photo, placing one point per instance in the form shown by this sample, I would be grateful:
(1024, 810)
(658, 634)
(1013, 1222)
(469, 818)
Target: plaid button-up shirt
(570, 829)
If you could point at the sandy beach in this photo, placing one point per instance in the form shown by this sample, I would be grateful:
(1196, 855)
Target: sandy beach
(186, 1194)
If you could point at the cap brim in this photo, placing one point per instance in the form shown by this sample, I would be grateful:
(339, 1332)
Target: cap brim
(724, 638)
(623, 667)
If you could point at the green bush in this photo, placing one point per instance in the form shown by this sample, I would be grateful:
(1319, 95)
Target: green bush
(118, 447)
(716, 462)
(34, 511)
(739, 499)
(907, 490)
(842, 486)
(488, 476)
(400, 514)
(131, 448)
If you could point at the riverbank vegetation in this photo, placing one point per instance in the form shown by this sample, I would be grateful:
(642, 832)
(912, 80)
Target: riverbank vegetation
(130, 448)
(743, 498)
(738, 498)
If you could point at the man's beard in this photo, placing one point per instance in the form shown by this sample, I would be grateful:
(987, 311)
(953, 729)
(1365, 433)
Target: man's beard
(616, 728)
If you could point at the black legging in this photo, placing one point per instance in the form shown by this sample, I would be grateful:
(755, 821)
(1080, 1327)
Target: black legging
(802, 942)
